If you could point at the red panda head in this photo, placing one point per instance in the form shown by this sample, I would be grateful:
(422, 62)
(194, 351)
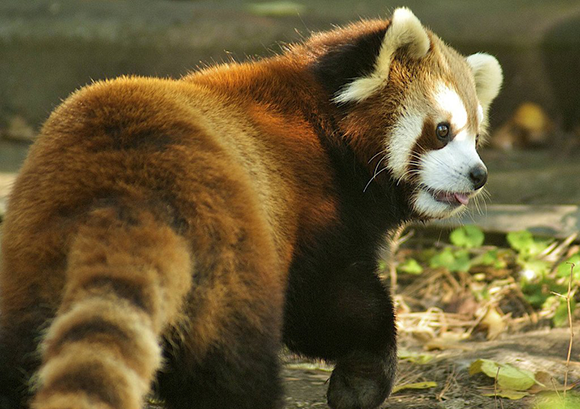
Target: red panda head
(413, 109)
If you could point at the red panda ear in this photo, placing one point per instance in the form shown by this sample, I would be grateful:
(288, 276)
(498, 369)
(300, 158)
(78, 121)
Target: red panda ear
(351, 59)
(488, 77)
(405, 31)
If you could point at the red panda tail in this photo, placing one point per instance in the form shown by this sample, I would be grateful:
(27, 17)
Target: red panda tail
(127, 275)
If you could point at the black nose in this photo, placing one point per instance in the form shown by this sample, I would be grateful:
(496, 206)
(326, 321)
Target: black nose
(478, 175)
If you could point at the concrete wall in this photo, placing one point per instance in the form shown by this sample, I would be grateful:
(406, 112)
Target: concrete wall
(48, 48)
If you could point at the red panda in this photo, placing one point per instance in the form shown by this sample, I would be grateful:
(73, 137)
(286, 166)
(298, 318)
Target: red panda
(171, 235)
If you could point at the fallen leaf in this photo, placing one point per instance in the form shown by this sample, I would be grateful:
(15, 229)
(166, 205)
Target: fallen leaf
(494, 323)
(547, 383)
(508, 377)
(417, 385)
(507, 393)
(422, 334)
(448, 340)
(415, 357)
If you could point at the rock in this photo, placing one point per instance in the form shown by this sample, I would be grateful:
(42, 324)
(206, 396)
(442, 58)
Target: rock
(529, 127)
(19, 129)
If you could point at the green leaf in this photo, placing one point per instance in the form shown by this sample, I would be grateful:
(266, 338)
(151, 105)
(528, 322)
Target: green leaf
(508, 377)
(443, 259)
(556, 401)
(525, 243)
(537, 293)
(483, 365)
(533, 268)
(534, 293)
(565, 267)
(520, 240)
(490, 257)
(462, 261)
(493, 258)
(410, 266)
(468, 236)
(560, 318)
(453, 261)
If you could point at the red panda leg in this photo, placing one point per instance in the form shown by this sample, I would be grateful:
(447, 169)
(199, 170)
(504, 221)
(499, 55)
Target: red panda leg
(242, 373)
(18, 357)
(346, 318)
(127, 275)
(226, 353)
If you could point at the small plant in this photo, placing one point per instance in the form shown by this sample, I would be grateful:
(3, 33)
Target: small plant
(528, 264)
(468, 236)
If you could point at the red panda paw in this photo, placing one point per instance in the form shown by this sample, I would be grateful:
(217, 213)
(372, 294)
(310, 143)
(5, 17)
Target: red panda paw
(361, 381)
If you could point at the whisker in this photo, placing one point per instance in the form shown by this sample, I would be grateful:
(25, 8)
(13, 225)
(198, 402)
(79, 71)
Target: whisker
(373, 178)
(377, 154)
(379, 164)
(476, 203)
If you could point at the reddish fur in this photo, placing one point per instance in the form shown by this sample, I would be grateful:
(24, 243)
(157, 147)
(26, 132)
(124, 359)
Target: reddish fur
(197, 194)
(223, 202)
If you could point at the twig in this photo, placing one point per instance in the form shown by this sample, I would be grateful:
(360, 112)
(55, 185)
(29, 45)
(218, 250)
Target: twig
(555, 387)
(451, 378)
(572, 265)
(556, 254)
(394, 243)
(495, 389)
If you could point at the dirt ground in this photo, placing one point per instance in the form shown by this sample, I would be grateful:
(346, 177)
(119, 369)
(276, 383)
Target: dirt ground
(543, 350)
(540, 350)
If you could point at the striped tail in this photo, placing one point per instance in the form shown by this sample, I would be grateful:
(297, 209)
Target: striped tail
(127, 275)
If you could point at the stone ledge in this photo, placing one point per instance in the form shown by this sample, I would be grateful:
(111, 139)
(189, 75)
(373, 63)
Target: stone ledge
(553, 221)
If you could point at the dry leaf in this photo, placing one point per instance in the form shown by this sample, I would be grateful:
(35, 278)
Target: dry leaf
(417, 385)
(510, 394)
(547, 383)
(415, 357)
(494, 323)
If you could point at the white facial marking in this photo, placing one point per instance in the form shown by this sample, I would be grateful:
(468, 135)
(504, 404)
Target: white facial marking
(450, 102)
(402, 140)
(448, 169)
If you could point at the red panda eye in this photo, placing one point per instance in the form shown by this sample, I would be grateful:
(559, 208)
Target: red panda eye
(442, 131)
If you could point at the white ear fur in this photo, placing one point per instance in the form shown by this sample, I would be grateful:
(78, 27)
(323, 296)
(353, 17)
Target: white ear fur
(405, 30)
(488, 77)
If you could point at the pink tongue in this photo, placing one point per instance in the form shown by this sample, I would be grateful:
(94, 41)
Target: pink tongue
(461, 198)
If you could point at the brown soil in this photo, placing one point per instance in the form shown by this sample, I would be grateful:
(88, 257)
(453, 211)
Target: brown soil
(543, 350)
